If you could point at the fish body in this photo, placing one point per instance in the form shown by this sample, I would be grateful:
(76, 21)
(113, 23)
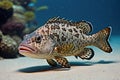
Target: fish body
(59, 38)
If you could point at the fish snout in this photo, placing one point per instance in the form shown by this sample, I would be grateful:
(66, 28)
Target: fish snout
(23, 47)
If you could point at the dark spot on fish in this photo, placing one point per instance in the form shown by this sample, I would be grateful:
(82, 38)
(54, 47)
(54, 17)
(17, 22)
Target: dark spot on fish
(63, 24)
(70, 30)
(63, 38)
(68, 25)
(75, 30)
(33, 39)
(57, 27)
(77, 27)
(62, 33)
(57, 36)
(51, 36)
(43, 31)
(80, 31)
(83, 37)
(52, 27)
(58, 39)
(72, 24)
(76, 35)
(47, 31)
(63, 29)
(46, 26)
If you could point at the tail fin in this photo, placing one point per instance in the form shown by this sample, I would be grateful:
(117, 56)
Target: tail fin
(102, 40)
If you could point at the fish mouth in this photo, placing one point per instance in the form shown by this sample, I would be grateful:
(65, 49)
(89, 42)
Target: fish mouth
(25, 49)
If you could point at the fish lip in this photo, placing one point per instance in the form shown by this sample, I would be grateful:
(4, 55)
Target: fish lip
(26, 48)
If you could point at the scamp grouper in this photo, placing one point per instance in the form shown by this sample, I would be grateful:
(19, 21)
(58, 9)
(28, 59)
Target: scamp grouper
(59, 38)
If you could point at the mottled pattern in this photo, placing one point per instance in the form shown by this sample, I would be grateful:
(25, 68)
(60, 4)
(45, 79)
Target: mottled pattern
(59, 37)
(87, 54)
(62, 61)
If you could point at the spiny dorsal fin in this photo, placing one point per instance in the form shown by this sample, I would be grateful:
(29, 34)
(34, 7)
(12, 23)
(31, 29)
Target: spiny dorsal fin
(85, 26)
(58, 20)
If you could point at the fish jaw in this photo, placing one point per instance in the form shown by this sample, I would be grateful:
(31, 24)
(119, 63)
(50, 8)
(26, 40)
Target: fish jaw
(26, 50)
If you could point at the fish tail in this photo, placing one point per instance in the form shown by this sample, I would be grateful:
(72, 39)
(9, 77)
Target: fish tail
(101, 40)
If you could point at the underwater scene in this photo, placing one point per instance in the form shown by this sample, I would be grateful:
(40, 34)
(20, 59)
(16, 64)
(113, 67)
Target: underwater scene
(59, 39)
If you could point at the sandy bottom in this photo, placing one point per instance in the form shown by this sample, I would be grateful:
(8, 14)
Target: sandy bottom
(103, 66)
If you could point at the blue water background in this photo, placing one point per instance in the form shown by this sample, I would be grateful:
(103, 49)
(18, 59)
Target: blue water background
(101, 13)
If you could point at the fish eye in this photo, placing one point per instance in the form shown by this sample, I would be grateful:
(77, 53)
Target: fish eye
(38, 39)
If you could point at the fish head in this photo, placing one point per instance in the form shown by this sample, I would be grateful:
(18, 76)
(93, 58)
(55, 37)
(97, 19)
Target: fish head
(35, 45)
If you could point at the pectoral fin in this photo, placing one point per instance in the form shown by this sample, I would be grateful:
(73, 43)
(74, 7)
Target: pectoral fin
(63, 62)
(51, 62)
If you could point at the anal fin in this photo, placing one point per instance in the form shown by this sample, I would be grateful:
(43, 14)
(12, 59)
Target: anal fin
(87, 54)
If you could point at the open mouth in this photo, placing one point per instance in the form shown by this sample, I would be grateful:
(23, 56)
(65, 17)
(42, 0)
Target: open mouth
(26, 48)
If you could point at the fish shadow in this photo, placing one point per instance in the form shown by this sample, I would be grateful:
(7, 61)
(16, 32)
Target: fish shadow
(88, 63)
(35, 69)
(45, 68)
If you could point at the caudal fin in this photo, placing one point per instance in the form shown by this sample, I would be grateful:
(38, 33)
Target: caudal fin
(102, 40)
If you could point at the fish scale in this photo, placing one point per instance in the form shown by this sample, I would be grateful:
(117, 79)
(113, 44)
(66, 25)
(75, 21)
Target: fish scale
(59, 38)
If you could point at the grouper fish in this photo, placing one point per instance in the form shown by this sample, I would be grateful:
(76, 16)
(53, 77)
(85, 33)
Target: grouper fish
(59, 38)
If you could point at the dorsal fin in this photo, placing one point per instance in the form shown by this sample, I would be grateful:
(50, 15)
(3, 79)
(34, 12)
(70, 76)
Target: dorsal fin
(59, 20)
(85, 26)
